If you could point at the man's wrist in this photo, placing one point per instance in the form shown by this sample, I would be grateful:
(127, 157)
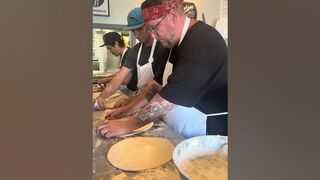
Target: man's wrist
(137, 121)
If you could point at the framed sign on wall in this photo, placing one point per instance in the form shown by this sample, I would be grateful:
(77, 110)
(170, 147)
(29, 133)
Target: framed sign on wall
(190, 9)
(100, 7)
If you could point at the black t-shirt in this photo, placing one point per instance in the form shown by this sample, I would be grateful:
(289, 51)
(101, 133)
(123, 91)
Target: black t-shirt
(124, 57)
(132, 85)
(160, 58)
(199, 77)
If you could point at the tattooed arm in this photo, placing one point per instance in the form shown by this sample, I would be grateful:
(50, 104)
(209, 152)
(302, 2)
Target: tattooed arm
(152, 111)
(143, 98)
(139, 102)
(155, 109)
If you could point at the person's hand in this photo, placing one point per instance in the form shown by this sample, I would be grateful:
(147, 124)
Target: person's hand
(121, 102)
(113, 128)
(118, 113)
(99, 104)
(101, 82)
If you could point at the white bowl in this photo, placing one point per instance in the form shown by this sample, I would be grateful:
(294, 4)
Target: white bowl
(198, 146)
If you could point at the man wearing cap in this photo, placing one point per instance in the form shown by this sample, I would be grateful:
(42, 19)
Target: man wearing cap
(194, 100)
(115, 44)
(147, 59)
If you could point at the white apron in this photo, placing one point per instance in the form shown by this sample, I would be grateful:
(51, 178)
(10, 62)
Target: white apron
(124, 88)
(124, 51)
(145, 72)
(186, 121)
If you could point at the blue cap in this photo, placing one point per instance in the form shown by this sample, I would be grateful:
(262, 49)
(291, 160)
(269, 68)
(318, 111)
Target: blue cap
(135, 19)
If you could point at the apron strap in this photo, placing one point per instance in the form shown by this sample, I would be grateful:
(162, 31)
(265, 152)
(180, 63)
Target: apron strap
(121, 57)
(167, 70)
(217, 114)
(138, 56)
(150, 60)
(169, 66)
(185, 29)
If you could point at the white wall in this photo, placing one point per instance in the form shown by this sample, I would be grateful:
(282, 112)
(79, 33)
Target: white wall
(210, 8)
(119, 10)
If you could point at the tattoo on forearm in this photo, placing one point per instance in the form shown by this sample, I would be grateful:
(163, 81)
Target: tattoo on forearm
(155, 110)
(150, 94)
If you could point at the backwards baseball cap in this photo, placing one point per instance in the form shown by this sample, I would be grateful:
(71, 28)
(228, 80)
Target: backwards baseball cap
(110, 38)
(134, 19)
(158, 11)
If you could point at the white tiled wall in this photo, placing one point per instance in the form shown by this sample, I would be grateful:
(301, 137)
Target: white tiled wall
(223, 8)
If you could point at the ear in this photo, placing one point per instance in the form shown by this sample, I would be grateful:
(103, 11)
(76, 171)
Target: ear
(172, 17)
(116, 44)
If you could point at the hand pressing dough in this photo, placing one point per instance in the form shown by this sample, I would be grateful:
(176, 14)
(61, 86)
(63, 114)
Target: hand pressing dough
(97, 88)
(140, 153)
(110, 101)
(139, 130)
(134, 132)
(116, 94)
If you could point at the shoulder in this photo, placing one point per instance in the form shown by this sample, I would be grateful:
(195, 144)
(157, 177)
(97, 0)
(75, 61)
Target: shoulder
(131, 57)
(134, 50)
(203, 38)
(125, 55)
(203, 45)
(205, 33)
(127, 51)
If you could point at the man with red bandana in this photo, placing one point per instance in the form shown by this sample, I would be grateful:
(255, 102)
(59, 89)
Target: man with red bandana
(194, 100)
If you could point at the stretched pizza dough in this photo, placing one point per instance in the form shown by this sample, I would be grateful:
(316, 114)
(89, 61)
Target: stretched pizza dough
(140, 153)
(95, 95)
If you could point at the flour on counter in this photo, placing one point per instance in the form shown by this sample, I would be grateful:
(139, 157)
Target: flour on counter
(120, 176)
(169, 172)
(98, 143)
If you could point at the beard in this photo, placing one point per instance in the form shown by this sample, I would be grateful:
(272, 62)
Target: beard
(169, 41)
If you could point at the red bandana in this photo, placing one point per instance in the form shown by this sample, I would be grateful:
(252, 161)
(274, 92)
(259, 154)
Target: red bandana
(158, 11)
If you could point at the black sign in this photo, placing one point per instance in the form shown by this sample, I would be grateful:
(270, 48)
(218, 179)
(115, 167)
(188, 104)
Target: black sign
(190, 9)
